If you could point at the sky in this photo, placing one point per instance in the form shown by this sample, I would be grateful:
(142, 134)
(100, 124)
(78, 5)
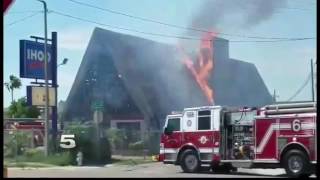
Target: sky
(284, 66)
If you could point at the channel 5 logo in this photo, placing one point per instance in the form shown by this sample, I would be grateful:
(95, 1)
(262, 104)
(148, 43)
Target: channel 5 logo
(67, 141)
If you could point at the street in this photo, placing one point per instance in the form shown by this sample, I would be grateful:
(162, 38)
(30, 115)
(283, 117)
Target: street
(143, 170)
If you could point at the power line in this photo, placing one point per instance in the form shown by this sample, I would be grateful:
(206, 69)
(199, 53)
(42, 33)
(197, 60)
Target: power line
(121, 28)
(301, 88)
(166, 35)
(170, 25)
(23, 19)
(24, 12)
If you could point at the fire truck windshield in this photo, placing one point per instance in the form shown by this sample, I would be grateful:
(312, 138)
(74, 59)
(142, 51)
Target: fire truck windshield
(174, 124)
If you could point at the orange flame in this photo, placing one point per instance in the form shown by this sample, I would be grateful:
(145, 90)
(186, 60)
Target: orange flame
(203, 66)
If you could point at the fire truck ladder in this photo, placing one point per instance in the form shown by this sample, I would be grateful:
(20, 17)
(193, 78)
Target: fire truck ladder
(290, 108)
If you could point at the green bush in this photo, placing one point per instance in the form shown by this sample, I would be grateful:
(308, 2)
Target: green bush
(117, 138)
(95, 151)
(152, 142)
(60, 159)
(17, 143)
(8, 150)
(33, 152)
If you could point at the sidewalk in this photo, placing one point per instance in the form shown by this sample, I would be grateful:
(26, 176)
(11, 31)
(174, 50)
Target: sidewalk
(130, 157)
(117, 160)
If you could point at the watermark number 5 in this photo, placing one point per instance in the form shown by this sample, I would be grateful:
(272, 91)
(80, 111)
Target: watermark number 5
(67, 141)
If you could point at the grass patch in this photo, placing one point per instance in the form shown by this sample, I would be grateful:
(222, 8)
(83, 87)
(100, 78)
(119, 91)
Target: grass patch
(28, 165)
(39, 160)
(62, 159)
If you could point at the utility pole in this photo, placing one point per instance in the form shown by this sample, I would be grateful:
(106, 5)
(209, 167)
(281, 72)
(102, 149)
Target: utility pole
(312, 85)
(46, 81)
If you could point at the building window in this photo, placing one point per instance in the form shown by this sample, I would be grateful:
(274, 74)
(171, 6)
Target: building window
(174, 124)
(204, 120)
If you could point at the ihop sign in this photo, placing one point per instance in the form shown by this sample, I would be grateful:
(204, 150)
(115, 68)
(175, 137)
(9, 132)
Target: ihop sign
(32, 60)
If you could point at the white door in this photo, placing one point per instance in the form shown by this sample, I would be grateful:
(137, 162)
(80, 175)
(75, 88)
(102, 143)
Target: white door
(189, 121)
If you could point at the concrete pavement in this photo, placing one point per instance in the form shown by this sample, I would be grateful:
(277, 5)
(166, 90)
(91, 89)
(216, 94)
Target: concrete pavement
(143, 170)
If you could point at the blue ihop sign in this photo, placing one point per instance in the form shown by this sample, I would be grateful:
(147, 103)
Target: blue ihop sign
(32, 60)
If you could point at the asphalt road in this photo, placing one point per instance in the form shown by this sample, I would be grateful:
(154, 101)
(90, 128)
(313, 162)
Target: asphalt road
(143, 170)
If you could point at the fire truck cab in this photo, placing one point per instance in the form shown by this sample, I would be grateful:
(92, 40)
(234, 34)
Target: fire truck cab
(223, 138)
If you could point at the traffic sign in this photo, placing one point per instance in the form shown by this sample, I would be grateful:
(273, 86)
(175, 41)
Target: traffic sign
(36, 96)
(97, 105)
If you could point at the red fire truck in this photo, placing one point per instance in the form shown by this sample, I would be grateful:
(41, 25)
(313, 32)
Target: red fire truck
(274, 136)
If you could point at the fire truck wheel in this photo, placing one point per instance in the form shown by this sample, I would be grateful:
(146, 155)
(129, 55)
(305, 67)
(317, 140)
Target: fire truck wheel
(190, 162)
(296, 163)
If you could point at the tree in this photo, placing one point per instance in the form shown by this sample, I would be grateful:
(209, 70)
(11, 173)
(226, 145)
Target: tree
(20, 109)
(85, 142)
(117, 138)
(14, 83)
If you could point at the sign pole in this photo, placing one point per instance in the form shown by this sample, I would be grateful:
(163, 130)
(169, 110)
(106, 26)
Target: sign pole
(46, 81)
(55, 85)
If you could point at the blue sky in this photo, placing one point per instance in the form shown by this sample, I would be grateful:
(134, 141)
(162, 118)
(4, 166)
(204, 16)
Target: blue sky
(284, 66)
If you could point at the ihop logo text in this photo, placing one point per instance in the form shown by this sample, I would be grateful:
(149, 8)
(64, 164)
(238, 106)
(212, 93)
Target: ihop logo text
(37, 55)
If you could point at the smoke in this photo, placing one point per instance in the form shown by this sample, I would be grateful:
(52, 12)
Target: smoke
(223, 16)
(231, 14)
